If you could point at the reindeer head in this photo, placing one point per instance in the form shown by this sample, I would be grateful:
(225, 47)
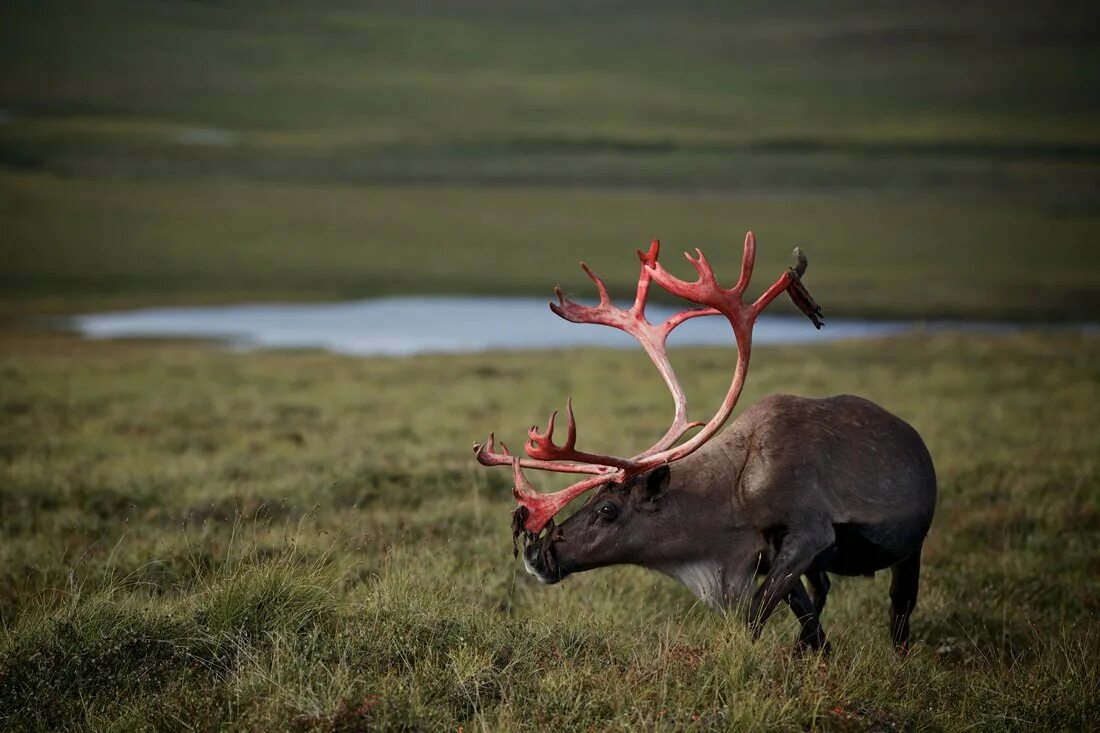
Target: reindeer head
(611, 528)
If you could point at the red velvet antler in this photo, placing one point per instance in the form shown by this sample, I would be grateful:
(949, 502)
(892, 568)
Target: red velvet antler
(535, 510)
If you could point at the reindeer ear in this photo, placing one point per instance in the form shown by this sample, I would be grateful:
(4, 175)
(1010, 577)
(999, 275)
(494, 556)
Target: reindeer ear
(656, 483)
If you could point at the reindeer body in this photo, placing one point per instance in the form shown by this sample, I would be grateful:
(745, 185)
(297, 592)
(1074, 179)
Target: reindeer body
(793, 487)
(791, 463)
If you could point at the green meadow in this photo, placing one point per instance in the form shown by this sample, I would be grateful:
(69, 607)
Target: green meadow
(933, 161)
(198, 539)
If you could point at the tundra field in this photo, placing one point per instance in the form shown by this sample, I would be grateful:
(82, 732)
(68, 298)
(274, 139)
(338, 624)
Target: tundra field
(195, 539)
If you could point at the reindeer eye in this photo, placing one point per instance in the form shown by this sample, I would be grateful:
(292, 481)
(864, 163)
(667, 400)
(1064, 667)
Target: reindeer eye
(607, 512)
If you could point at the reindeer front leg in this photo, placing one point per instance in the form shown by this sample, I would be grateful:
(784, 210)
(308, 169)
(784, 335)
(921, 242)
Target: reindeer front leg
(803, 542)
(811, 637)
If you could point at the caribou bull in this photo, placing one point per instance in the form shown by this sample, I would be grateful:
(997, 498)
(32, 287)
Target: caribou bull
(793, 488)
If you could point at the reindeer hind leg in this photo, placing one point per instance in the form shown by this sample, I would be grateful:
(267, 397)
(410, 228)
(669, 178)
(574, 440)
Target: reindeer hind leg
(904, 584)
(819, 588)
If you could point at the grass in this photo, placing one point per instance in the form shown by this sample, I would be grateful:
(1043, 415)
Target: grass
(199, 539)
(611, 72)
(938, 161)
(132, 243)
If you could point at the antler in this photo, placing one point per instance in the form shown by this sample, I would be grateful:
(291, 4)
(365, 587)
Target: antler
(487, 456)
(536, 510)
(652, 339)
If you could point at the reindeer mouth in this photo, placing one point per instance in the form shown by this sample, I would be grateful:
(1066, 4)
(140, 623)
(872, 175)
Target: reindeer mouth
(538, 551)
(539, 561)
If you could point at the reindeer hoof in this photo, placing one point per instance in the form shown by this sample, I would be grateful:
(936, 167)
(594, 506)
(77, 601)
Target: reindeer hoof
(813, 644)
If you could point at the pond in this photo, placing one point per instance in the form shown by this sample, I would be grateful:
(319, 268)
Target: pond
(402, 326)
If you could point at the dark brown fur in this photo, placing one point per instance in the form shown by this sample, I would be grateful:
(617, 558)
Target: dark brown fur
(793, 487)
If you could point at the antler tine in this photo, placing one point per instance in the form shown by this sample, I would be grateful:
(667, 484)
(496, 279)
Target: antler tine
(541, 446)
(704, 290)
(650, 256)
(641, 294)
(605, 313)
(600, 286)
(703, 267)
(577, 313)
(748, 261)
(522, 489)
(486, 456)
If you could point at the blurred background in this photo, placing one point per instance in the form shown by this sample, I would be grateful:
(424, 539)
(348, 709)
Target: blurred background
(938, 159)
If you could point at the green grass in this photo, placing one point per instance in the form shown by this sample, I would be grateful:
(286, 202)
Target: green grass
(935, 161)
(333, 73)
(121, 243)
(196, 539)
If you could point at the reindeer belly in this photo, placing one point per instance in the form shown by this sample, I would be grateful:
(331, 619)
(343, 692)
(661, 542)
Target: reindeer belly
(863, 549)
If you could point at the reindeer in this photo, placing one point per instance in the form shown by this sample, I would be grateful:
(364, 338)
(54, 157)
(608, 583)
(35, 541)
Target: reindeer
(793, 487)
